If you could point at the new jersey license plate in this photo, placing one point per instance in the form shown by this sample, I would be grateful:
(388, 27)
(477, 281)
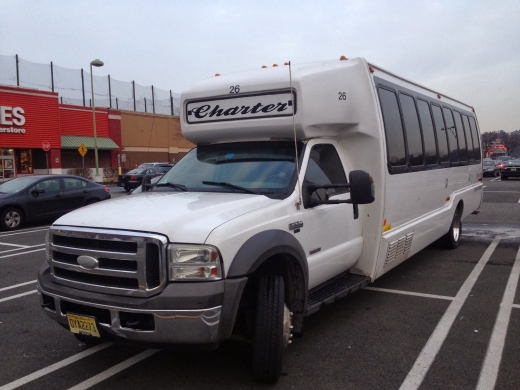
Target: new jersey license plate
(82, 324)
(513, 169)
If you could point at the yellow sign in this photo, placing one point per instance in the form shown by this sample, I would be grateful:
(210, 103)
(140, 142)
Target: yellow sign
(82, 150)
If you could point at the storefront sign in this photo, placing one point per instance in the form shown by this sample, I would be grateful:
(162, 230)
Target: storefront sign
(12, 116)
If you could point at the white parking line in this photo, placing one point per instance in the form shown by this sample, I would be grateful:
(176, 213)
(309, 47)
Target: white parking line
(18, 296)
(18, 249)
(515, 306)
(54, 367)
(409, 293)
(24, 232)
(489, 372)
(18, 285)
(20, 246)
(425, 359)
(22, 253)
(113, 370)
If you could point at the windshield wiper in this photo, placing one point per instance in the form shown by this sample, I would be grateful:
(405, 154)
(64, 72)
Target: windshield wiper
(228, 185)
(173, 185)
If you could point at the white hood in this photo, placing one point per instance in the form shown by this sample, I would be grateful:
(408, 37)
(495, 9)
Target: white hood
(186, 217)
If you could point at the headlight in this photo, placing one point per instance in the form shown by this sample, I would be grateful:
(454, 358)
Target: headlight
(48, 252)
(194, 262)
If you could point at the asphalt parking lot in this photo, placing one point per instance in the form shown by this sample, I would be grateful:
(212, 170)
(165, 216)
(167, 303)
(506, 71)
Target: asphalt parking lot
(441, 320)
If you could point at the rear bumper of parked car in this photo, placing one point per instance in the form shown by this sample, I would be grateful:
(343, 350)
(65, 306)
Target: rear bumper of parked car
(200, 313)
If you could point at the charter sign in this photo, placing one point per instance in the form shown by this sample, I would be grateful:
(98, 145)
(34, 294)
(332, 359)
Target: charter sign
(265, 105)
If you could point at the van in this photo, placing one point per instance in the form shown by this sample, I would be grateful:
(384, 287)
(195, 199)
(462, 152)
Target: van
(308, 182)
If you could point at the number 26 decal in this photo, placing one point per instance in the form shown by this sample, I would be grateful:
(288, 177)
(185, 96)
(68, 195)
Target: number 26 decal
(234, 89)
(342, 96)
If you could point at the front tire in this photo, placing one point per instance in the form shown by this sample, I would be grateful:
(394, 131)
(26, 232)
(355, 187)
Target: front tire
(11, 219)
(452, 238)
(269, 333)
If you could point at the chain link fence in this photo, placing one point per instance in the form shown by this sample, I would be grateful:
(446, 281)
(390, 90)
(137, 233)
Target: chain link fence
(73, 87)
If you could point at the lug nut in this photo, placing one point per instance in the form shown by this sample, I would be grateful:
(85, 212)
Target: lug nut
(289, 342)
(291, 327)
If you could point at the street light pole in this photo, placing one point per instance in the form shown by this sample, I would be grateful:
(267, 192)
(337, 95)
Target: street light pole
(96, 63)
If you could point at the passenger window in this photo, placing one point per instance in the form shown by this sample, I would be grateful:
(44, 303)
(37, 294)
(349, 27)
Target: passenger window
(51, 185)
(73, 184)
(325, 167)
(442, 139)
(413, 130)
(469, 137)
(430, 146)
(463, 150)
(452, 135)
(393, 128)
(474, 132)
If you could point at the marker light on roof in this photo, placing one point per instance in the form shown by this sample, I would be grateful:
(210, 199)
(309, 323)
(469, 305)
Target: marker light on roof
(217, 74)
(343, 58)
(286, 63)
(371, 69)
(263, 66)
(275, 65)
(438, 96)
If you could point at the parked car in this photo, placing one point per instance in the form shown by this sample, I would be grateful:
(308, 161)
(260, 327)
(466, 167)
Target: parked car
(490, 168)
(153, 164)
(160, 170)
(133, 178)
(45, 197)
(510, 169)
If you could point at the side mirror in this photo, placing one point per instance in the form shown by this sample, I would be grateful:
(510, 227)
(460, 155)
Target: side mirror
(361, 187)
(147, 183)
(37, 192)
(361, 191)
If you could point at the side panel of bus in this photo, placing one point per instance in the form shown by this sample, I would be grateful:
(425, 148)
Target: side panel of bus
(433, 168)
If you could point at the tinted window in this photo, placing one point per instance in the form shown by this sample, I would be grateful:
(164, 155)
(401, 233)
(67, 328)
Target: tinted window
(469, 137)
(413, 130)
(463, 150)
(430, 146)
(441, 134)
(325, 168)
(452, 135)
(393, 128)
(74, 184)
(50, 185)
(474, 133)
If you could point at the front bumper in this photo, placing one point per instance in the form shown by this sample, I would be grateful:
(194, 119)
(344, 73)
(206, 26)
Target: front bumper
(183, 313)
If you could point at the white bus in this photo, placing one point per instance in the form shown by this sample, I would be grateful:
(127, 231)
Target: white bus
(258, 227)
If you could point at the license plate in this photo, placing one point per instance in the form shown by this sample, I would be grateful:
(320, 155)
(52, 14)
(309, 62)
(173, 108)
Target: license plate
(513, 169)
(82, 324)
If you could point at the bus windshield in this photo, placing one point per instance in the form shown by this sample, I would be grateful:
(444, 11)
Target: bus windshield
(263, 168)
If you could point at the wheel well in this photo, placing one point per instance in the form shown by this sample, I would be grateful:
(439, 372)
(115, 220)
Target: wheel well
(460, 207)
(290, 270)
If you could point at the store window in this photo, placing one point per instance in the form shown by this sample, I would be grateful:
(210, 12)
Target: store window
(7, 171)
(24, 159)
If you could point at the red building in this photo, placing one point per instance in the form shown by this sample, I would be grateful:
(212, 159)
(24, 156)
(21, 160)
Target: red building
(40, 135)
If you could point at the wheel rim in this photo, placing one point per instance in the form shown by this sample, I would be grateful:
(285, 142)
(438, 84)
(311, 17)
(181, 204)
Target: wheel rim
(456, 228)
(12, 219)
(287, 326)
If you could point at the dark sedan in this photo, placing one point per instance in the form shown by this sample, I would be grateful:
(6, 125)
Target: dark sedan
(511, 168)
(45, 197)
(133, 178)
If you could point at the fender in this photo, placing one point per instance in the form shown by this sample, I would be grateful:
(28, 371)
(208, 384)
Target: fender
(264, 245)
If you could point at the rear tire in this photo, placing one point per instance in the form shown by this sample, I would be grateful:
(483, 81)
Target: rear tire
(11, 219)
(452, 238)
(268, 339)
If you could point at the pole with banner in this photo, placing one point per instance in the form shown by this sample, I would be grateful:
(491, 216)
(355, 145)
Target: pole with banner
(83, 150)
(46, 146)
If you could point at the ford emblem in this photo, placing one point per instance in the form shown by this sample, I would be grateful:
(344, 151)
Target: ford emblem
(88, 262)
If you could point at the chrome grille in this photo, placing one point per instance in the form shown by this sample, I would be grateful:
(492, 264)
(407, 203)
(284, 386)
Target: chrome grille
(129, 263)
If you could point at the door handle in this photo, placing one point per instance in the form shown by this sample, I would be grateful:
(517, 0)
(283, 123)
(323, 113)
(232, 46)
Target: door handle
(85, 191)
(58, 196)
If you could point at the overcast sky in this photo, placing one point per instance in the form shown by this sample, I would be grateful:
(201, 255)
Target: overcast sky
(468, 50)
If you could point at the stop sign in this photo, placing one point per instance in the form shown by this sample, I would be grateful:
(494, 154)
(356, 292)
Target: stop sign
(46, 146)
